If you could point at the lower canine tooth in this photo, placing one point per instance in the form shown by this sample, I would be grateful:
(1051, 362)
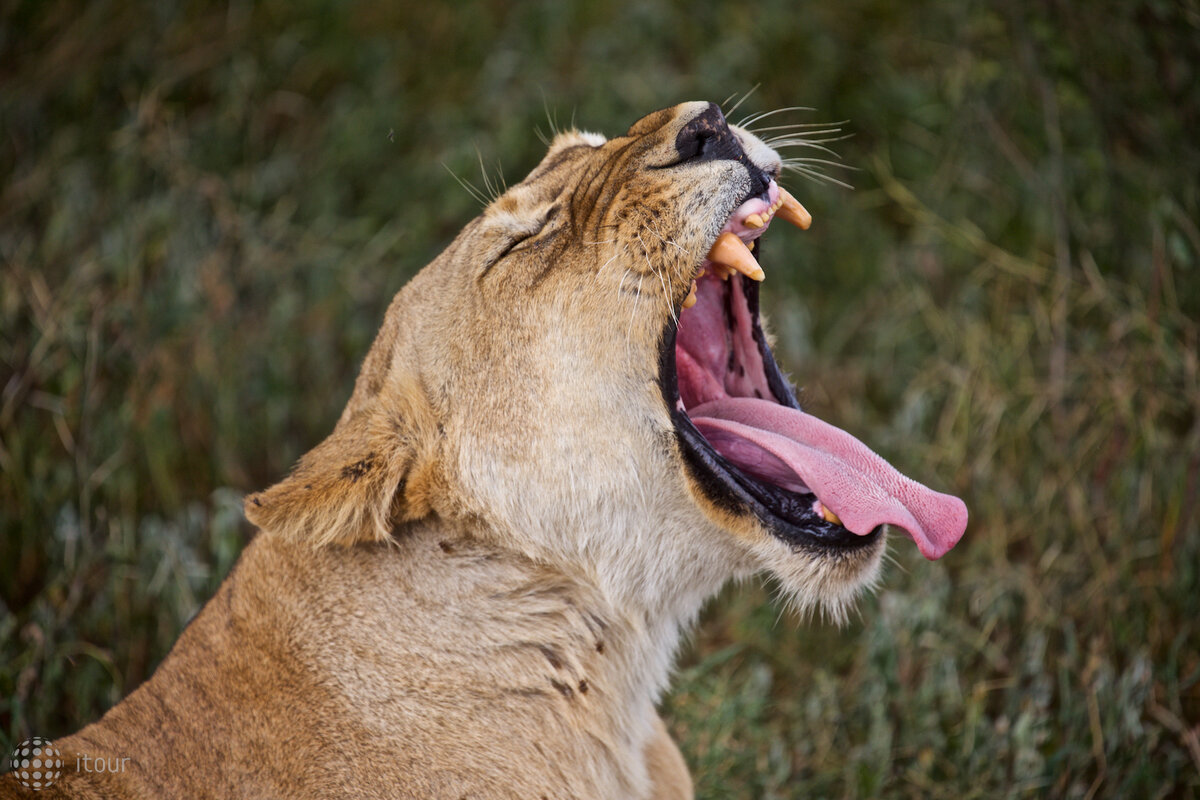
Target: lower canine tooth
(828, 514)
(732, 251)
(791, 211)
(690, 300)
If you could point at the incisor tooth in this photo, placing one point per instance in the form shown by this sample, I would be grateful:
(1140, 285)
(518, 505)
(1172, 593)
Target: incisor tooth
(754, 221)
(732, 251)
(690, 300)
(791, 211)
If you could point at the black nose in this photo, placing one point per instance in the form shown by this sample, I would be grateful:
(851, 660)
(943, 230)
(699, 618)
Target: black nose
(707, 137)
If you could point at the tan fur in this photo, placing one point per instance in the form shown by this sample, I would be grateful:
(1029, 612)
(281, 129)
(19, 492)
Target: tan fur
(476, 585)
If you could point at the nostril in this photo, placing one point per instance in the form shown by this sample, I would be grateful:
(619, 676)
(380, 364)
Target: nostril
(697, 146)
(707, 136)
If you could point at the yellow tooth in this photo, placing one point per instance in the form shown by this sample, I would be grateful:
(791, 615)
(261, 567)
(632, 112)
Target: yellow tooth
(791, 211)
(754, 221)
(690, 300)
(731, 251)
(828, 514)
(722, 271)
(699, 274)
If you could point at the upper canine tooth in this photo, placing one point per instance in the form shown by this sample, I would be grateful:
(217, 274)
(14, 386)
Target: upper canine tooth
(754, 221)
(791, 211)
(730, 250)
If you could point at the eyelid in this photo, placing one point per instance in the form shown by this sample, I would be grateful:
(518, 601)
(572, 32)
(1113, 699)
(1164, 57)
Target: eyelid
(512, 245)
(524, 237)
(520, 238)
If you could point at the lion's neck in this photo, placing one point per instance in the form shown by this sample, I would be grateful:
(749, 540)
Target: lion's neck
(483, 631)
(660, 576)
(649, 576)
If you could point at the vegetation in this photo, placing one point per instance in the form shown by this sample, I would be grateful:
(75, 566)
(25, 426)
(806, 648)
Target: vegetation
(205, 207)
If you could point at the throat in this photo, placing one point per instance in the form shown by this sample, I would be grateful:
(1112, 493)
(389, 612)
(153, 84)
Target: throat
(646, 583)
(658, 600)
(715, 350)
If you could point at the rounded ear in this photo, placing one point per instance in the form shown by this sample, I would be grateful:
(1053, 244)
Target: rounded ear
(374, 471)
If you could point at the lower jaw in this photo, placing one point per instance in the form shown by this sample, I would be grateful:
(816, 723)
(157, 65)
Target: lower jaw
(734, 492)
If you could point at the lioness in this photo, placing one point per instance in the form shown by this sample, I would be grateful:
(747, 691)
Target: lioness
(569, 433)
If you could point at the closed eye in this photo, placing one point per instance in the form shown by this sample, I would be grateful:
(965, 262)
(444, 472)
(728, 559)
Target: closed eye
(520, 239)
(514, 244)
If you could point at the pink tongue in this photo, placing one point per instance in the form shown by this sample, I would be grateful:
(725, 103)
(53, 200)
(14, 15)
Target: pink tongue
(865, 491)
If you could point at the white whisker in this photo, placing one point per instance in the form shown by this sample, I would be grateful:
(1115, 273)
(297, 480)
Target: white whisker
(753, 118)
(809, 139)
(606, 263)
(551, 120)
(811, 145)
(819, 177)
(472, 190)
(661, 279)
(833, 126)
(791, 137)
(665, 240)
(620, 285)
(745, 97)
(492, 191)
(824, 161)
(637, 301)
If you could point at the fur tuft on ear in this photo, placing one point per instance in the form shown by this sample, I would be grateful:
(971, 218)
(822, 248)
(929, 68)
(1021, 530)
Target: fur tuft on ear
(374, 471)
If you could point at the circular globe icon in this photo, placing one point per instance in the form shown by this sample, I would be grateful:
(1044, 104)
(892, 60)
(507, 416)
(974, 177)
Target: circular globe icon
(36, 763)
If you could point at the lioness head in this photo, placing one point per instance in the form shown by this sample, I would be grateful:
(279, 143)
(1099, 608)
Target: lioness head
(583, 376)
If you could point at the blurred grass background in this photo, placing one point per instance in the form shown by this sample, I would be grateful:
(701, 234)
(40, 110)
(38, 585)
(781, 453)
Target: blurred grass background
(205, 208)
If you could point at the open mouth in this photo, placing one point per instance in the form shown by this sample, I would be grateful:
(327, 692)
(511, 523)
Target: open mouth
(745, 438)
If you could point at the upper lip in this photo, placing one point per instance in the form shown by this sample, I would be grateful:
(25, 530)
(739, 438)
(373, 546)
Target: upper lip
(730, 252)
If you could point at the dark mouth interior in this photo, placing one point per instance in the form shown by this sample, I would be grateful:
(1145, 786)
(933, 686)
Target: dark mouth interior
(718, 351)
